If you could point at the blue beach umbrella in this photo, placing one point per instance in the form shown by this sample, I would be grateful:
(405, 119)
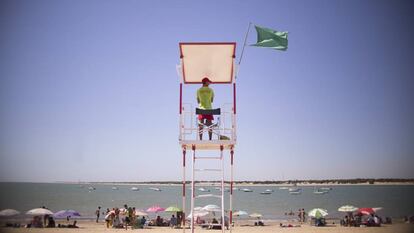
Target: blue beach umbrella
(66, 213)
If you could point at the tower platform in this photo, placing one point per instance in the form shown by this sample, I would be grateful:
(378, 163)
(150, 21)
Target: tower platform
(208, 144)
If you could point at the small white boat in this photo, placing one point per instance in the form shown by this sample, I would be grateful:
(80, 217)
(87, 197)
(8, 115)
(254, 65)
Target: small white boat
(269, 190)
(295, 192)
(114, 188)
(155, 189)
(266, 193)
(325, 188)
(91, 188)
(294, 189)
(283, 188)
(319, 192)
(246, 190)
(135, 189)
(203, 190)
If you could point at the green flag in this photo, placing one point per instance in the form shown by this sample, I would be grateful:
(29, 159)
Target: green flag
(271, 39)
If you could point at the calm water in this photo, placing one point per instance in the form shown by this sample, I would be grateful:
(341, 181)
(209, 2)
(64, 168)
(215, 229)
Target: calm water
(396, 201)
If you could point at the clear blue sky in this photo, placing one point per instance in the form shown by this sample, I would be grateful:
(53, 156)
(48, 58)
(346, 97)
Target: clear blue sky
(89, 90)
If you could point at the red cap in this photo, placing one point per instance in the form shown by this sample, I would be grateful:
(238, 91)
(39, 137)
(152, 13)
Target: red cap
(205, 79)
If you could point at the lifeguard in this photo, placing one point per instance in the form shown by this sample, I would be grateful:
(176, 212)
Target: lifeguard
(205, 96)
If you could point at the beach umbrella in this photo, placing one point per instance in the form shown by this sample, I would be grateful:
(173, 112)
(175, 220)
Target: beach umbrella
(240, 213)
(198, 208)
(317, 213)
(140, 213)
(347, 208)
(256, 215)
(200, 213)
(9, 212)
(173, 209)
(211, 208)
(155, 209)
(66, 213)
(368, 211)
(39, 211)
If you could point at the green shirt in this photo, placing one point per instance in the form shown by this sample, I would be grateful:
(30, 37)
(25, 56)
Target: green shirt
(205, 95)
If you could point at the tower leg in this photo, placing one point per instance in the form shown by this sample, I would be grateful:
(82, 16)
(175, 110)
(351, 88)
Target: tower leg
(192, 190)
(231, 190)
(223, 219)
(184, 181)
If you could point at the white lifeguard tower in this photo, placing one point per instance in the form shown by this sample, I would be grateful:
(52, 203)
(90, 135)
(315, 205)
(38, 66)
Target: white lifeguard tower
(217, 62)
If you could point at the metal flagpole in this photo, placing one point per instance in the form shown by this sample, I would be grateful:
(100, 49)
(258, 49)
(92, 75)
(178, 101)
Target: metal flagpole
(244, 44)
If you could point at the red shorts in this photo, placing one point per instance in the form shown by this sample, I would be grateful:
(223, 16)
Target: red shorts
(207, 117)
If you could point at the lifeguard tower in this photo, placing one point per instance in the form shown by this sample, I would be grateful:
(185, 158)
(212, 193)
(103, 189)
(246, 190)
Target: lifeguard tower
(217, 62)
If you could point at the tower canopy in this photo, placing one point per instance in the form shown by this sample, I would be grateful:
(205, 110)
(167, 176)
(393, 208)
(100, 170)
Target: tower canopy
(212, 60)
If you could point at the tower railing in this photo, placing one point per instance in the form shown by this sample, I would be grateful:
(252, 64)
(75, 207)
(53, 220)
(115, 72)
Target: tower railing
(223, 128)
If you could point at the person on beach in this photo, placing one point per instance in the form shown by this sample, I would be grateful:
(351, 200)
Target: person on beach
(143, 220)
(158, 221)
(134, 217)
(73, 225)
(303, 215)
(173, 221)
(205, 96)
(117, 221)
(226, 222)
(109, 218)
(128, 218)
(98, 213)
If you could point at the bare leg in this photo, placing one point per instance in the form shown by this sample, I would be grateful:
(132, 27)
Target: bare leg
(210, 131)
(200, 128)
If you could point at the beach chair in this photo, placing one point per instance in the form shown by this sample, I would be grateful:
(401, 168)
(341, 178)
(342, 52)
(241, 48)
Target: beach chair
(215, 126)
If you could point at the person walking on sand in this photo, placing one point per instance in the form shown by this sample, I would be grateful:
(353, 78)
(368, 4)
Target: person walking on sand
(205, 96)
(303, 215)
(98, 213)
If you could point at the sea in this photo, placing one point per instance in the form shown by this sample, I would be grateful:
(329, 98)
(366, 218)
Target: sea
(396, 201)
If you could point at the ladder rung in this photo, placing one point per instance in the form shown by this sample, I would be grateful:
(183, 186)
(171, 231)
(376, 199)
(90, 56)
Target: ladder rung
(208, 195)
(206, 157)
(208, 170)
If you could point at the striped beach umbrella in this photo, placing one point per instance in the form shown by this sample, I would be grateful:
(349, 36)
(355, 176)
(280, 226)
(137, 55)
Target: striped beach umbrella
(317, 213)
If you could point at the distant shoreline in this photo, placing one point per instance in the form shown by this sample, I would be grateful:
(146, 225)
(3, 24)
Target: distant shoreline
(338, 182)
(240, 185)
(266, 183)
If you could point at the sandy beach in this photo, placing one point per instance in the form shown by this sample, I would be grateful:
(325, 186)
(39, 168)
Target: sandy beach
(88, 226)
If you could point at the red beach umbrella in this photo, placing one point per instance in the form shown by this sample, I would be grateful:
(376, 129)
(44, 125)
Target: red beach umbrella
(368, 211)
(155, 209)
